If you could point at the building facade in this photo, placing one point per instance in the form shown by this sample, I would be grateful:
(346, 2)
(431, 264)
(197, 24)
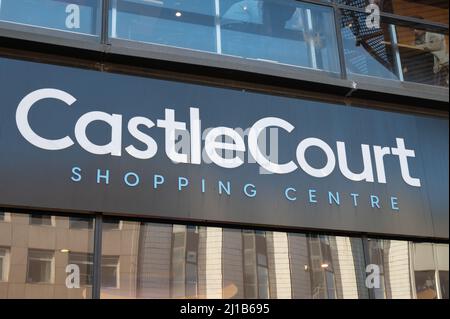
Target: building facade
(224, 149)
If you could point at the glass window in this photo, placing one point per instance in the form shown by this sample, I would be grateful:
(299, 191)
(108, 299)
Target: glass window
(326, 267)
(154, 260)
(367, 48)
(425, 271)
(2, 216)
(40, 220)
(40, 266)
(256, 272)
(394, 260)
(84, 261)
(4, 263)
(441, 253)
(322, 274)
(178, 270)
(423, 56)
(425, 284)
(111, 224)
(394, 52)
(184, 275)
(376, 256)
(81, 223)
(186, 24)
(443, 282)
(79, 16)
(279, 31)
(40, 259)
(432, 10)
(110, 272)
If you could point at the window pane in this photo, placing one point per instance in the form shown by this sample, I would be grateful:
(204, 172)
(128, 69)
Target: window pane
(424, 56)
(326, 267)
(39, 257)
(81, 223)
(191, 280)
(443, 281)
(154, 260)
(367, 48)
(85, 264)
(4, 263)
(432, 10)
(40, 266)
(442, 256)
(110, 224)
(376, 257)
(186, 24)
(263, 283)
(2, 216)
(286, 32)
(277, 31)
(423, 256)
(40, 219)
(80, 16)
(425, 284)
(110, 272)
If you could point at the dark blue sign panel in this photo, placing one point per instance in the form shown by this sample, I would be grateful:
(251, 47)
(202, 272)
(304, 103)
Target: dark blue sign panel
(88, 141)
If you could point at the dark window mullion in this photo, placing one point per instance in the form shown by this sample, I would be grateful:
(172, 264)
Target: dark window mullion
(97, 261)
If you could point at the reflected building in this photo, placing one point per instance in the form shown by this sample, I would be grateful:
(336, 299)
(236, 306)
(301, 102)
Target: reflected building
(156, 260)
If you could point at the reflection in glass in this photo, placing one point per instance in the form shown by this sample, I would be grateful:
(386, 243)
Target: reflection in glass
(442, 260)
(4, 263)
(286, 32)
(321, 268)
(184, 277)
(34, 257)
(425, 284)
(186, 24)
(81, 223)
(443, 277)
(279, 31)
(154, 255)
(154, 260)
(394, 52)
(327, 267)
(40, 268)
(367, 48)
(110, 272)
(424, 271)
(256, 273)
(424, 56)
(434, 10)
(79, 16)
(40, 220)
(84, 261)
(376, 256)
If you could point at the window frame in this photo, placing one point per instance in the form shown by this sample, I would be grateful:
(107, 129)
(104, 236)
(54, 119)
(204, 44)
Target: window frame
(366, 87)
(73, 220)
(53, 35)
(51, 260)
(110, 265)
(87, 262)
(255, 236)
(41, 217)
(4, 261)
